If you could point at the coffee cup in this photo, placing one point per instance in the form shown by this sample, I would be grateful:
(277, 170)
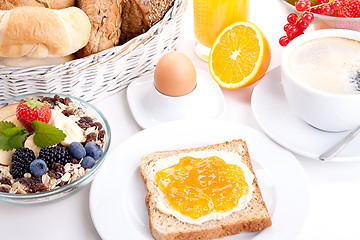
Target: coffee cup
(320, 73)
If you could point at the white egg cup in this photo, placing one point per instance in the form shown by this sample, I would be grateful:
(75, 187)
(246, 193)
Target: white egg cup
(150, 107)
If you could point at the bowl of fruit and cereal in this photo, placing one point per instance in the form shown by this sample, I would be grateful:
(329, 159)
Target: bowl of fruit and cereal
(51, 145)
(342, 14)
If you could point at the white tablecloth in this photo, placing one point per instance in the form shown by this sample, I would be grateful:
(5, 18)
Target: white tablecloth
(335, 187)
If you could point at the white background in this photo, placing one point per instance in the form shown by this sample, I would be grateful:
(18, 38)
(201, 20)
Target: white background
(335, 187)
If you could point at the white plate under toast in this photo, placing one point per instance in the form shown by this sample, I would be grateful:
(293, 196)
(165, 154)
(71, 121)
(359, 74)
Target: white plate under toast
(117, 195)
(279, 121)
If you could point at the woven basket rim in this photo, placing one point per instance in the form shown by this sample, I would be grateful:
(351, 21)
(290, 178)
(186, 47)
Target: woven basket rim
(98, 58)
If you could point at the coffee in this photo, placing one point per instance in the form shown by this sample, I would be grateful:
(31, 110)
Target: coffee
(330, 64)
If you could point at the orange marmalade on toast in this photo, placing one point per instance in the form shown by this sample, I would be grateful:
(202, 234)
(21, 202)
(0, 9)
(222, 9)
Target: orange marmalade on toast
(205, 185)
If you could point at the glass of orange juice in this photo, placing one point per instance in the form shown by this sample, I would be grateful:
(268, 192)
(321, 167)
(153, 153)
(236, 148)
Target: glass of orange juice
(212, 16)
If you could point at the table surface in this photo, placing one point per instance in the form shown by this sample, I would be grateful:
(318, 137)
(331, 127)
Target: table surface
(334, 208)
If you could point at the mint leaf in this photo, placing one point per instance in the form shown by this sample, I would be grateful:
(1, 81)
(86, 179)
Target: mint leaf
(6, 125)
(46, 135)
(11, 137)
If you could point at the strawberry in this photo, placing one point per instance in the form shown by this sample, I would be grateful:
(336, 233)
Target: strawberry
(349, 9)
(29, 110)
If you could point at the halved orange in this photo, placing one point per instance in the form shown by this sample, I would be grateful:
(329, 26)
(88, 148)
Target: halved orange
(240, 56)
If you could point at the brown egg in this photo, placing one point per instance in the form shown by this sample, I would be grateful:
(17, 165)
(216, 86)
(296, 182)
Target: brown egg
(175, 75)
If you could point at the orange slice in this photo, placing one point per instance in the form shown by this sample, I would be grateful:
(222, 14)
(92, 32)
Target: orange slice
(240, 56)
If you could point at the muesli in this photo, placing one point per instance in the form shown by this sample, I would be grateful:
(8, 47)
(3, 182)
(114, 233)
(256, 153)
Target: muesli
(46, 143)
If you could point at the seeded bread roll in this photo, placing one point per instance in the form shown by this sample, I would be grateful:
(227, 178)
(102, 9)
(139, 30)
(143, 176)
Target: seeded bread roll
(54, 4)
(253, 218)
(40, 32)
(139, 15)
(105, 18)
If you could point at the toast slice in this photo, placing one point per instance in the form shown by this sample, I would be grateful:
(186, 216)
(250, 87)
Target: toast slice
(253, 218)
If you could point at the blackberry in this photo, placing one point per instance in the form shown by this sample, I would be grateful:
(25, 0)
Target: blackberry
(20, 162)
(55, 155)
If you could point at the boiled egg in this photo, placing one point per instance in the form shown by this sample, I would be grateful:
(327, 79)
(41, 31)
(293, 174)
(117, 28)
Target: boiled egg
(175, 75)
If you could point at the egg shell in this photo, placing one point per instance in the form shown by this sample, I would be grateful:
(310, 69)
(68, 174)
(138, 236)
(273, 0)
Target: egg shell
(175, 75)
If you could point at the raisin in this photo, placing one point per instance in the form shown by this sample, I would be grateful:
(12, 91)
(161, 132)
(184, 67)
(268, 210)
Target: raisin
(54, 174)
(4, 189)
(67, 100)
(68, 112)
(84, 125)
(98, 125)
(101, 135)
(56, 98)
(37, 179)
(74, 161)
(65, 112)
(5, 180)
(57, 167)
(86, 120)
(48, 100)
(27, 181)
(39, 187)
(91, 137)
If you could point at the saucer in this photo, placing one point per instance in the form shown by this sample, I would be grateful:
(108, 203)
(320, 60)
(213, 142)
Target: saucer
(150, 108)
(275, 116)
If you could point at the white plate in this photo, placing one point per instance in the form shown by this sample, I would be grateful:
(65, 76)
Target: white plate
(279, 121)
(150, 108)
(117, 195)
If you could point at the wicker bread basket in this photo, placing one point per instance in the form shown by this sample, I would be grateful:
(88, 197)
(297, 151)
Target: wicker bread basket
(99, 75)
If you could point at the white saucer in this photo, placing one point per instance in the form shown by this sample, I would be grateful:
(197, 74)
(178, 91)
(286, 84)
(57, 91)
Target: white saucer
(279, 121)
(150, 108)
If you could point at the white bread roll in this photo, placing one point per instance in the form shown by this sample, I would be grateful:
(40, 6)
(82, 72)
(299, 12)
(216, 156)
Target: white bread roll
(54, 4)
(26, 62)
(39, 32)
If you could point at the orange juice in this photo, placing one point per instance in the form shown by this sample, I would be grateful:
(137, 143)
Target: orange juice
(212, 16)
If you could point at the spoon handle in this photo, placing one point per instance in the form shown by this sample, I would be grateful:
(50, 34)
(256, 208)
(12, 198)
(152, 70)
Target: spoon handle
(339, 146)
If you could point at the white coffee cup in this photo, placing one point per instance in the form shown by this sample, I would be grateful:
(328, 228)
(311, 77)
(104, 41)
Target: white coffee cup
(321, 109)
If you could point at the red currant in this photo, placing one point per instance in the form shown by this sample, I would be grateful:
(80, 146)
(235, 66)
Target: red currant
(316, 10)
(327, 10)
(286, 27)
(297, 25)
(292, 18)
(293, 31)
(308, 17)
(336, 5)
(300, 5)
(308, 4)
(284, 40)
(302, 25)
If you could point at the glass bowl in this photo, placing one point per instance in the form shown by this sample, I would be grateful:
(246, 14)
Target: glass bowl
(76, 185)
(323, 22)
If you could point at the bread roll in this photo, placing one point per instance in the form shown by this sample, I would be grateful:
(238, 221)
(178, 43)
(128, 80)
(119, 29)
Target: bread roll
(41, 32)
(139, 15)
(105, 18)
(26, 62)
(54, 4)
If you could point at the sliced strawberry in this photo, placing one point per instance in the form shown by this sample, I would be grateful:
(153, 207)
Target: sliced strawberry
(31, 109)
(349, 9)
